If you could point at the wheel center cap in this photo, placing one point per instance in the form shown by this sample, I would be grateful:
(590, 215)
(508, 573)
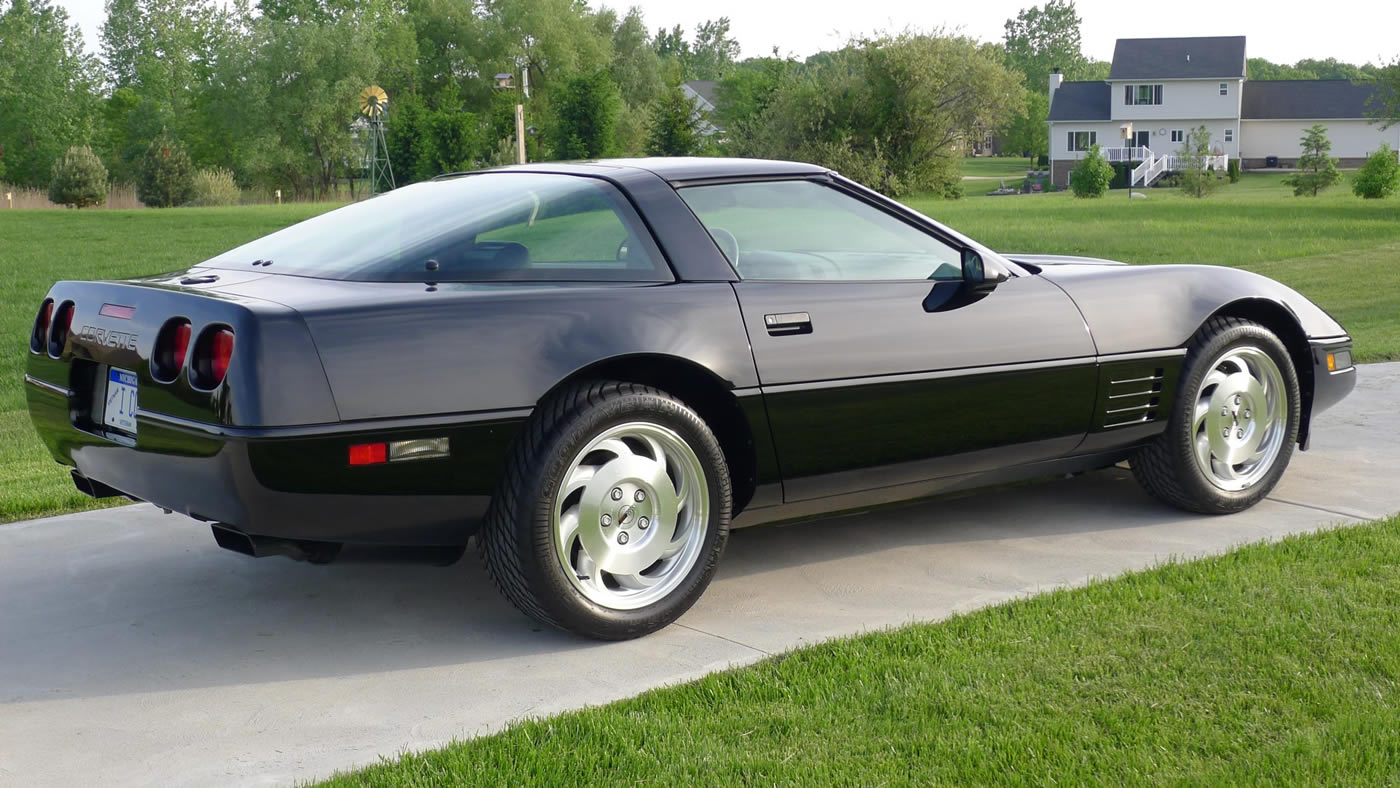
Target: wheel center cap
(626, 516)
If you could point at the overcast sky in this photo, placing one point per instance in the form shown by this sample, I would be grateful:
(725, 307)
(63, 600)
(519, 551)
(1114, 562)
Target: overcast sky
(1283, 31)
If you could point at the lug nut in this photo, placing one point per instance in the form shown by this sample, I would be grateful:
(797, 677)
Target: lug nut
(622, 538)
(1246, 413)
(1227, 432)
(1239, 434)
(639, 496)
(644, 523)
(1237, 399)
(617, 494)
(1224, 411)
(607, 519)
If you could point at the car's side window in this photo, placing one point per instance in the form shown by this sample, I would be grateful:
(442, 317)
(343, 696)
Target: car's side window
(803, 230)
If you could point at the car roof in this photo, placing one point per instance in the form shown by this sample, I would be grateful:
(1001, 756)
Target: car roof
(679, 168)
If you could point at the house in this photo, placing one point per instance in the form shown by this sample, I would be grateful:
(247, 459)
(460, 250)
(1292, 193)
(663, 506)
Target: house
(1160, 89)
(701, 93)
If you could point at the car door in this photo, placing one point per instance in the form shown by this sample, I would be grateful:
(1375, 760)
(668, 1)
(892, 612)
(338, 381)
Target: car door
(879, 367)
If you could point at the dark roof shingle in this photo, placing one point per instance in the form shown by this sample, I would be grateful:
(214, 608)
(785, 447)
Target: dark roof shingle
(1304, 99)
(1178, 58)
(705, 88)
(1081, 101)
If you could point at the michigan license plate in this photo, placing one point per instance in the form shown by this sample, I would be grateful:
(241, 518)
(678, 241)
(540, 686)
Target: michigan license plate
(120, 410)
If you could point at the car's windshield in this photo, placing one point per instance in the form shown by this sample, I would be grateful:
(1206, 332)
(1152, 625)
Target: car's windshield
(488, 227)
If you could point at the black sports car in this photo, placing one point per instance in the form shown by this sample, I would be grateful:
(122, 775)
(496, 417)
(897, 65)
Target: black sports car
(599, 369)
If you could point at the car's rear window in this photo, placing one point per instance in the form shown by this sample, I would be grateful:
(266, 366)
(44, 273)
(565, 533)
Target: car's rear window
(478, 228)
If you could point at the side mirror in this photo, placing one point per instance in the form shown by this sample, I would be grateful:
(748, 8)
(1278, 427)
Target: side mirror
(974, 274)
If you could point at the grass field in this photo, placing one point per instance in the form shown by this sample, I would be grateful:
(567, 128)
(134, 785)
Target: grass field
(1273, 665)
(1341, 251)
(994, 167)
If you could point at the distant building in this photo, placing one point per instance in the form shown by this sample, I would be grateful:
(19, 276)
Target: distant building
(701, 93)
(1164, 88)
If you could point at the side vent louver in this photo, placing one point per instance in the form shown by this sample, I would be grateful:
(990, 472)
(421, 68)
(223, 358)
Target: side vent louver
(1134, 396)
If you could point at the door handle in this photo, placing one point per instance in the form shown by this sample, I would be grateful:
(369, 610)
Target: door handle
(786, 323)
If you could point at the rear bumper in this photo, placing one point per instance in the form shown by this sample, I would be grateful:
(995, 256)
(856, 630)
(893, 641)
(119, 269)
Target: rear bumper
(289, 483)
(1333, 378)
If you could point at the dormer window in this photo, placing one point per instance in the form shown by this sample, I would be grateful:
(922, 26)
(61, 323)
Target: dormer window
(1142, 94)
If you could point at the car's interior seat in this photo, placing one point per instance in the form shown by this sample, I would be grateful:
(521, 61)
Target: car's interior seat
(493, 259)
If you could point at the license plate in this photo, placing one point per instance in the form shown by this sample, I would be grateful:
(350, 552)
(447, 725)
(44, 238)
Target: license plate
(120, 409)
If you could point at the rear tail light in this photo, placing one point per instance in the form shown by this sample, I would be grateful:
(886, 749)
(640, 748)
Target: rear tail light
(212, 355)
(62, 324)
(369, 453)
(40, 337)
(171, 347)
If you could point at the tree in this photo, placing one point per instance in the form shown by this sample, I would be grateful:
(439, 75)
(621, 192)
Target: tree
(675, 126)
(1379, 177)
(167, 177)
(586, 112)
(635, 68)
(1038, 40)
(891, 112)
(1316, 168)
(743, 95)
(1385, 107)
(1193, 163)
(48, 98)
(79, 179)
(713, 52)
(1092, 175)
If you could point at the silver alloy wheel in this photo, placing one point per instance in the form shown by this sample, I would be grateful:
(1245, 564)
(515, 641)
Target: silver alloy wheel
(631, 516)
(1241, 418)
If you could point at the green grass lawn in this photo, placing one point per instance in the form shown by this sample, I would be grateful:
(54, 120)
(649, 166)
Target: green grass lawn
(1339, 250)
(1008, 167)
(1275, 664)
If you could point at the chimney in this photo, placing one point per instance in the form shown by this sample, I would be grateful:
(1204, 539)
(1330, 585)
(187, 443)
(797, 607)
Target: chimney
(1056, 79)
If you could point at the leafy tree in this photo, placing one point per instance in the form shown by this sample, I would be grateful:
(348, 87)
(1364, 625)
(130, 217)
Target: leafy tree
(1038, 40)
(1316, 168)
(713, 52)
(167, 177)
(586, 113)
(1385, 107)
(744, 94)
(1193, 164)
(1042, 38)
(79, 179)
(451, 142)
(636, 68)
(890, 112)
(675, 126)
(1092, 175)
(48, 85)
(1379, 177)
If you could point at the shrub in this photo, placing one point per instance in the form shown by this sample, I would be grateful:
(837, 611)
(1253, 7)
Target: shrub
(1043, 161)
(1233, 170)
(1379, 176)
(167, 177)
(79, 179)
(215, 187)
(1091, 176)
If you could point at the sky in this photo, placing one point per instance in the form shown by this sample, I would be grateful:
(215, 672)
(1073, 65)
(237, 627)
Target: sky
(1284, 31)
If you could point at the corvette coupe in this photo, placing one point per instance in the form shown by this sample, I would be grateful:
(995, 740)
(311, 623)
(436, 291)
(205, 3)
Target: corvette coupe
(598, 369)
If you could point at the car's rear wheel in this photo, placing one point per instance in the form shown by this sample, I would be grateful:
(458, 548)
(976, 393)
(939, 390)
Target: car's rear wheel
(1234, 424)
(612, 514)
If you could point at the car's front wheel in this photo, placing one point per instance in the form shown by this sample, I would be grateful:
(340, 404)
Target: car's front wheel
(1234, 424)
(612, 514)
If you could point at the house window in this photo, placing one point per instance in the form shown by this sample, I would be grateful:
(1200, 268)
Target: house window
(1224, 88)
(1178, 135)
(1083, 140)
(1229, 135)
(1142, 94)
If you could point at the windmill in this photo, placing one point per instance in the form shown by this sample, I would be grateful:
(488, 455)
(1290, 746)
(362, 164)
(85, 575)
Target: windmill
(374, 102)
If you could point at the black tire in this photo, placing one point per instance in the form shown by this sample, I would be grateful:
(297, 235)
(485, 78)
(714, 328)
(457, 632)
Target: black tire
(1167, 467)
(517, 543)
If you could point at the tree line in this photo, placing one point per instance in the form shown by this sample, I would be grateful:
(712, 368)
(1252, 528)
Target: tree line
(263, 94)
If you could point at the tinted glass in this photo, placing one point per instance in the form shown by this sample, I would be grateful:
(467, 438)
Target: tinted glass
(802, 230)
(489, 227)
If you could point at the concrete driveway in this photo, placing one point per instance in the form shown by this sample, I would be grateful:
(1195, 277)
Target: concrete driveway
(133, 651)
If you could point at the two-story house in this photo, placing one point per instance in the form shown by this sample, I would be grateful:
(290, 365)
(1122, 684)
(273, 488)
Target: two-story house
(1161, 89)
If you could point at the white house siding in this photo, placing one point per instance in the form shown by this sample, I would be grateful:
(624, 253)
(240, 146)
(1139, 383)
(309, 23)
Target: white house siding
(1108, 136)
(1159, 141)
(1352, 140)
(1181, 98)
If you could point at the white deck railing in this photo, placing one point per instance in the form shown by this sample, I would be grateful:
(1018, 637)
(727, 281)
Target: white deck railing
(1151, 166)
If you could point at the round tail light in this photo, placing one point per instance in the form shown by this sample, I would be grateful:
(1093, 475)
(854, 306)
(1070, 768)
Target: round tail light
(62, 324)
(212, 355)
(40, 335)
(172, 344)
